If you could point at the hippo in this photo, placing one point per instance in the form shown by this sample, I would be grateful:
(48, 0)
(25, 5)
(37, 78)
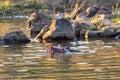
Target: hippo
(60, 50)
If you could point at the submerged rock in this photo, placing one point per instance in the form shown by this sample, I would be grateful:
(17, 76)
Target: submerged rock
(16, 37)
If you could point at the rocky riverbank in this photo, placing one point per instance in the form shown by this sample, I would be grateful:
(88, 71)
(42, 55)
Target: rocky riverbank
(80, 22)
(93, 22)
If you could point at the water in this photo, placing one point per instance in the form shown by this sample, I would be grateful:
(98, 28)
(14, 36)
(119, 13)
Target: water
(98, 59)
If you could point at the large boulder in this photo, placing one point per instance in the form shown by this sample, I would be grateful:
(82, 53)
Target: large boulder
(92, 11)
(117, 28)
(96, 10)
(109, 32)
(37, 18)
(60, 29)
(104, 10)
(82, 25)
(90, 33)
(16, 37)
(117, 37)
(106, 22)
(118, 22)
(100, 17)
(106, 32)
(36, 29)
(37, 21)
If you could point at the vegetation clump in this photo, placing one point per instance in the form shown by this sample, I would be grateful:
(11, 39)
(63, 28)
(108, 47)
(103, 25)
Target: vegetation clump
(36, 5)
(9, 7)
(116, 12)
(116, 19)
(6, 8)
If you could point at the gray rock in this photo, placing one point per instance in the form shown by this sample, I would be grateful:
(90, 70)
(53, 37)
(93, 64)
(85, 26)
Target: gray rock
(100, 17)
(83, 25)
(37, 21)
(36, 29)
(60, 29)
(118, 36)
(106, 22)
(108, 32)
(91, 33)
(91, 11)
(37, 18)
(16, 37)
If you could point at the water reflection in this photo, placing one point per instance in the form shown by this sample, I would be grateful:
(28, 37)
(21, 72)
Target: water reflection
(98, 60)
(30, 61)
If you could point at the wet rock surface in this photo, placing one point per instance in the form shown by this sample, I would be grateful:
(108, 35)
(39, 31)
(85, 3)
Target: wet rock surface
(16, 37)
(60, 28)
(92, 21)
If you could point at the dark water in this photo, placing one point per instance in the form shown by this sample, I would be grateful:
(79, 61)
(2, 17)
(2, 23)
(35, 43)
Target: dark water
(98, 60)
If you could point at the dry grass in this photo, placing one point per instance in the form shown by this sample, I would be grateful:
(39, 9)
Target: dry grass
(75, 10)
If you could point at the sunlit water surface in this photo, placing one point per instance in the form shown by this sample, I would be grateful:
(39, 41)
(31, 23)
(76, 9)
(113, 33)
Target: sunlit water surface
(98, 59)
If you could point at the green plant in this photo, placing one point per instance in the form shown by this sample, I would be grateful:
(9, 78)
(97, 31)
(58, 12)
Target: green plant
(116, 19)
(5, 9)
(49, 16)
(116, 12)
(36, 5)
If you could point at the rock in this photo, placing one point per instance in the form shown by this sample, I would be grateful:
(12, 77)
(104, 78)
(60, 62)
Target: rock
(16, 37)
(118, 22)
(60, 29)
(99, 17)
(106, 22)
(91, 11)
(58, 15)
(37, 21)
(36, 29)
(118, 36)
(108, 32)
(103, 10)
(117, 28)
(90, 33)
(83, 25)
(37, 18)
(81, 17)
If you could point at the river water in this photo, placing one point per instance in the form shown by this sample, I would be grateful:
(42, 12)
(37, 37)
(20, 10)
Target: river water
(98, 59)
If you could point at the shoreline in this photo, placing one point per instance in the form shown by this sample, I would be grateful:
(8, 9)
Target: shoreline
(14, 16)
